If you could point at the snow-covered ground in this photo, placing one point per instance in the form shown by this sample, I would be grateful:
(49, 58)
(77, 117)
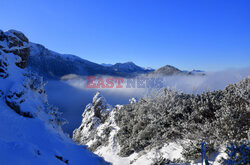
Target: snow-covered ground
(27, 141)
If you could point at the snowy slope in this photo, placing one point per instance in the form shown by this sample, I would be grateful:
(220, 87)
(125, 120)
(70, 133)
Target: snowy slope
(31, 128)
(32, 141)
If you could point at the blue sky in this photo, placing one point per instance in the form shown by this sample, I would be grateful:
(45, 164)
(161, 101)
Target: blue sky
(202, 34)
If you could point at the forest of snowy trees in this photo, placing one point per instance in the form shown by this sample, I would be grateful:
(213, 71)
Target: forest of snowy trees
(217, 118)
(167, 117)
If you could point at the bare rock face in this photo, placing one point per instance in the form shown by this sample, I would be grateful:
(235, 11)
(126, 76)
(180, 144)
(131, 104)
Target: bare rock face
(17, 43)
(3, 67)
(20, 35)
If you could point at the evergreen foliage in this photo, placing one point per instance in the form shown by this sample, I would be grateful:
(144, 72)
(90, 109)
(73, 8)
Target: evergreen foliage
(217, 118)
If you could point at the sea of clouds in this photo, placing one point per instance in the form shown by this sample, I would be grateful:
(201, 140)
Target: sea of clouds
(71, 95)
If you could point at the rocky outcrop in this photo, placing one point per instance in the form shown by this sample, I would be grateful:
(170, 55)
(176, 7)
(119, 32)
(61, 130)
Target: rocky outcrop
(19, 98)
(14, 52)
(23, 91)
(14, 99)
(17, 43)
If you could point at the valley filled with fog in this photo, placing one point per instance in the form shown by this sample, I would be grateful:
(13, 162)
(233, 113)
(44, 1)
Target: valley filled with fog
(71, 95)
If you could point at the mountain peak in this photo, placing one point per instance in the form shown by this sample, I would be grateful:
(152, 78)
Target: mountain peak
(167, 70)
(129, 67)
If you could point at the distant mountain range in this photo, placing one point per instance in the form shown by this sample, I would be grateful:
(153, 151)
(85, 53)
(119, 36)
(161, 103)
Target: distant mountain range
(53, 65)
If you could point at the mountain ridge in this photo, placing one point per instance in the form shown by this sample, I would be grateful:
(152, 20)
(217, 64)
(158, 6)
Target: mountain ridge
(53, 65)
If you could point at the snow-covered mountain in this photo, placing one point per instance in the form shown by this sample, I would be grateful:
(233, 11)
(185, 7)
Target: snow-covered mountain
(167, 71)
(30, 127)
(130, 68)
(53, 65)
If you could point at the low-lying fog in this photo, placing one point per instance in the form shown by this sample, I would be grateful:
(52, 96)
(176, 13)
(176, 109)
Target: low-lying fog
(71, 96)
